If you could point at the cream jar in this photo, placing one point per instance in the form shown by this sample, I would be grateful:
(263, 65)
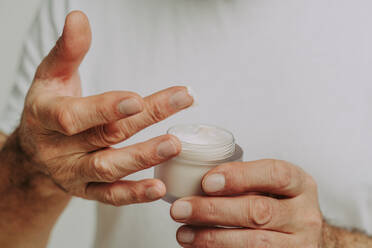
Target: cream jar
(203, 148)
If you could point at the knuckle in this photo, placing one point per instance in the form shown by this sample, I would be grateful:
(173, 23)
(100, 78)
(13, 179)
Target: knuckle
(207, 239)
(143, 160)
(122, 134)
(132, 195)
(95, 137)
(126, 130)
(262, 211)
(35, 109)
(61, 174)
(66, 121)
(212, 209)
(260, 240)
(110, 197)
(104, 114)
(156, 112)
(99, 137)
(280, 174)
(102, 170)
(32, 106)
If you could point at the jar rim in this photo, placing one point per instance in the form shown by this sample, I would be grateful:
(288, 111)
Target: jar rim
(205, 152)
(236, 156)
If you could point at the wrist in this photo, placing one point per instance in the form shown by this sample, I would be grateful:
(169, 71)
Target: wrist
(20, 173)
(30, 201)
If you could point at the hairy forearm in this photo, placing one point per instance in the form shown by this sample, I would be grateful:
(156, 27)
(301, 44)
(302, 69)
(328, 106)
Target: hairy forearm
(30, 202)
(335, 237)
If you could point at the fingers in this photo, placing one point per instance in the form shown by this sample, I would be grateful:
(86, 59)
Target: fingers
(72, 115)
(101, 120)
(189, 236)
(266, 176)
(249, 211)
(126, 192)
(112, 164)
(158, 107)
(64, 59)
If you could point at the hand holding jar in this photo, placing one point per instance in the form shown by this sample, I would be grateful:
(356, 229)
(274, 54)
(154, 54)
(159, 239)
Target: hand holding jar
(265, 203)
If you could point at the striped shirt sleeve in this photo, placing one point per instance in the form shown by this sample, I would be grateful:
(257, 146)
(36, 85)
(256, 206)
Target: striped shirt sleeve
(41, 37)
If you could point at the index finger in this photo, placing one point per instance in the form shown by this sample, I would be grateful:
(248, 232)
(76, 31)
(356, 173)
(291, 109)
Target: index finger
(157, 107)
(267, 176)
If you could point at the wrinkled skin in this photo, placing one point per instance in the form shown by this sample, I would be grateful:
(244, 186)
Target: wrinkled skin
(68, 137)
(284, 214)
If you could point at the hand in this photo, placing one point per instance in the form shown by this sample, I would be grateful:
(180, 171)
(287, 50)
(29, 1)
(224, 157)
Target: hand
(67, 137)
(266, 203)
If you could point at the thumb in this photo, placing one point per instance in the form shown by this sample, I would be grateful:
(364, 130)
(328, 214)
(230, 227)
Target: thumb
(66, 56)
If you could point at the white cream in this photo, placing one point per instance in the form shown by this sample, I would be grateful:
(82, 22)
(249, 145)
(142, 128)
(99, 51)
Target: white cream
(201, 134)
(203, 148)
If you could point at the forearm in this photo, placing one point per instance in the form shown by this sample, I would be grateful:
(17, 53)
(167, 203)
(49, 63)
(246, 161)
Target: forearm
(30, 202)
(335, 237)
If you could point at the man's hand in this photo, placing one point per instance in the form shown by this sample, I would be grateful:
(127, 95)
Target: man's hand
(66, 136)
(266, 203)
(62, 145)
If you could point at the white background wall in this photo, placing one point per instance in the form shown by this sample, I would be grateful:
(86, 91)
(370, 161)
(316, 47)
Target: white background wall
(76, 226)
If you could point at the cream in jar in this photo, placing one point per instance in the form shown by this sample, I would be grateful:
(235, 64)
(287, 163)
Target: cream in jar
(203, 148)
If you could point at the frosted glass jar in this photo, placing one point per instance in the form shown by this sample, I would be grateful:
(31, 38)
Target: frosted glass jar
(203, 148)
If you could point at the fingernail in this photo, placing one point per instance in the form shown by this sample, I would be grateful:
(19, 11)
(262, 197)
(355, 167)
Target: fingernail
(186, 236)
(167, 149)
(181, 99)
(214, 183)
(181, 210)
(153, 193)
(130, 106)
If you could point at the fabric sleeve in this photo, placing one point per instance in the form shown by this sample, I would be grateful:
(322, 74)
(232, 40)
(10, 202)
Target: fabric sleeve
(40, 38)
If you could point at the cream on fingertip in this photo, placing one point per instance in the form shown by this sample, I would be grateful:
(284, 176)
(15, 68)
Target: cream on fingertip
(193, 95)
